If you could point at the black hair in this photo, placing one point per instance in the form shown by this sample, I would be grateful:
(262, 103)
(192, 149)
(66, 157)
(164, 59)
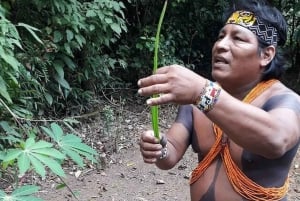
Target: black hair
(273, 17)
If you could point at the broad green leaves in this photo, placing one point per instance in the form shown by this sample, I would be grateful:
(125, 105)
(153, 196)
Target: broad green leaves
(71, 145)
(38, 155)
(23, 193)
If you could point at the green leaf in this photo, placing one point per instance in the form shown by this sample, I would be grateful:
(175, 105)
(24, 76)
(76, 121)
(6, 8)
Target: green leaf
(62, 82)
(75, 157)
(57, 130)
(84, 147)
(70, 139)
(58, 65)
(29, 198)
(23, 163)
(108, 20)
(2, 194)
(85, 154)
(29, 142)
(71, 121)
(57, 36)
(91, 13)
(51, 163)
(60, 186)
(3, 90)
(40, 145)
(25, 190)
(69, 62)
(70, 35)
(31, 30)
(12, 61)
(50, 152)
(80, 40)
(48, 98)
(12, 154)
(68, 48)
(116, 28)
(50, 133)
(38, 166)
(154, 109)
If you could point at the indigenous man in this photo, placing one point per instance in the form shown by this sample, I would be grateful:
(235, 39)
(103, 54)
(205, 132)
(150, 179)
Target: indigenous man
(245, 126)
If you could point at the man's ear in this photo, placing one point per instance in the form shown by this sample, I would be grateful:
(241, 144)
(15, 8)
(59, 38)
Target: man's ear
(267, 55)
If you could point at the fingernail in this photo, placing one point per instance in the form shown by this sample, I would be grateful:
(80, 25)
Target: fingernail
(148, 102)
(139, 91)
(139, 82)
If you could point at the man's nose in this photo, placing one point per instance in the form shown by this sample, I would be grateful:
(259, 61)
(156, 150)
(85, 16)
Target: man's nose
(223, 44)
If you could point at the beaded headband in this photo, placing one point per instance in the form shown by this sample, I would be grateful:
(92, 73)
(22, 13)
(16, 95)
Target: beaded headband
(248, 20)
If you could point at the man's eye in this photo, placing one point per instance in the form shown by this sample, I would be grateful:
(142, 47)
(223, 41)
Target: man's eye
(238, 38)
(220, 37)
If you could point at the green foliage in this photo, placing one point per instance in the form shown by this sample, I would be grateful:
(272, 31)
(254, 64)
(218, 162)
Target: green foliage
(70, 144)
(36, 154)
(58, 55)
(63, 54)
(23, 193)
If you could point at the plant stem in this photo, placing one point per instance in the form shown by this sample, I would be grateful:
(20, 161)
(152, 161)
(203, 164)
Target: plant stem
(154, 109)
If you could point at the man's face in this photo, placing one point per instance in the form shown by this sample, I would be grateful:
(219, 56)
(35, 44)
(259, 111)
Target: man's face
(235, 56)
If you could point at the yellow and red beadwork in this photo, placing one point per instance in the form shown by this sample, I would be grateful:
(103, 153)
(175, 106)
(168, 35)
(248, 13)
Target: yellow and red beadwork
(247, 19)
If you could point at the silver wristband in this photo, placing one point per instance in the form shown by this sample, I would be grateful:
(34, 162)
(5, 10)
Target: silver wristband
(164, 153)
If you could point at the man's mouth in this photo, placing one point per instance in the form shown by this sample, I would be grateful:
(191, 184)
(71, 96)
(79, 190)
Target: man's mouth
(219, 59)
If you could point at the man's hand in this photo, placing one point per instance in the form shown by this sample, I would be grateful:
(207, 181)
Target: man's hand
(174, 84)
(150, 147)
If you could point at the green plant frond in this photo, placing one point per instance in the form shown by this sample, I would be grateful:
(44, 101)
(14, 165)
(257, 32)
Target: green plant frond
(82, 147)
(23, 163)
(29, 198)
(2, 194)
(39, 145)
(50, 133)
(70, 138)
(25, 190)
(29, 142)
(49, 152)
(57, 130)
(70, 144)
(23, 193)
(75, 157)
(31, 30)
(38, 166)
(12, 154)
(88, 156)
(154, 109)
(51, 163)
(3, 90)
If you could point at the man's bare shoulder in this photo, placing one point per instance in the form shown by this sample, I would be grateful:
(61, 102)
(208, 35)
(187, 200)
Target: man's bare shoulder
(280, 96)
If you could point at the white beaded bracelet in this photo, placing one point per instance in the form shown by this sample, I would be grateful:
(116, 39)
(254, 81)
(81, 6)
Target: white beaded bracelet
(208, 96)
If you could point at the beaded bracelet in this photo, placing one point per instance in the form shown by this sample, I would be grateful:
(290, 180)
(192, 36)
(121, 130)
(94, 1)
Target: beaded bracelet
(208, 96)
(164, 150)
(164, 153)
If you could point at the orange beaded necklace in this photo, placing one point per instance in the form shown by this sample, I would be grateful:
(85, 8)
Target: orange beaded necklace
(240, 182)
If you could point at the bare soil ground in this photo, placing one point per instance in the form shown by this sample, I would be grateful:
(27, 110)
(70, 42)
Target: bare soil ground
(121, 174)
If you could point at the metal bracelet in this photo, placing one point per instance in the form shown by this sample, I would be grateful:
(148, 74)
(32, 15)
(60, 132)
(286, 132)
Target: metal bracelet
(164, 153)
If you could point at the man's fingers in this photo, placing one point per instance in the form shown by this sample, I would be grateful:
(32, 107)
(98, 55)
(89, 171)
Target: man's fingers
(150, 147)
(162, 99)
(154, 89)
(150, 156)
(152, 79)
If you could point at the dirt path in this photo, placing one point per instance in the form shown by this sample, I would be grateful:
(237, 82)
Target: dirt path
(127, 179)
